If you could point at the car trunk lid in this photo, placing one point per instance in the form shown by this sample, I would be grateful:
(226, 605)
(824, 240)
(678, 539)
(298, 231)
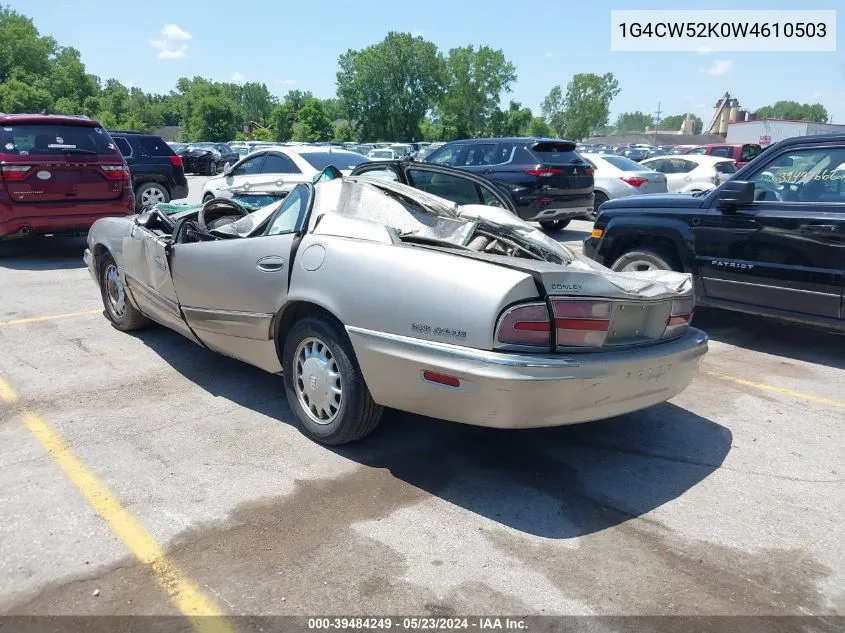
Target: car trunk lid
(645, 181)
(561, 169)
(60, 163)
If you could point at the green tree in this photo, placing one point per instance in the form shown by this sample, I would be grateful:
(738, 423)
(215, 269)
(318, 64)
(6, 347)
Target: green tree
(794, 111)
(389, 87)
(68, 79)
(475, 81)
(213, 118)
(344, 133)
(262, 134)
(21, 96)
(585, 106)
(281, 122)
(256, 102)
(633, 122)
(538, 127)
(313, 124)
(335, 109)
(673, 123)
(24, 52)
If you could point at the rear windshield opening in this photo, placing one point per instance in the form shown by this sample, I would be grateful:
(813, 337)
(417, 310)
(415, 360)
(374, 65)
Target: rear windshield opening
(41, 139)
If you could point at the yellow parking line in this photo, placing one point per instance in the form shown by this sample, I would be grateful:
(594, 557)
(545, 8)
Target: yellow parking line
(53, 317)
(840, 404)
(186, 596)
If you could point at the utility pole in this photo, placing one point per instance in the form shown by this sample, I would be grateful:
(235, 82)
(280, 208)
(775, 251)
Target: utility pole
(656, 123)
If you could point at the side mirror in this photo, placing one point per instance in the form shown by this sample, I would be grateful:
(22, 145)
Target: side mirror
(329, 173)
(735, 193)
(227, 169)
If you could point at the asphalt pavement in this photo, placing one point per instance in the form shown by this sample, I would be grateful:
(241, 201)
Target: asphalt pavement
(142, 474)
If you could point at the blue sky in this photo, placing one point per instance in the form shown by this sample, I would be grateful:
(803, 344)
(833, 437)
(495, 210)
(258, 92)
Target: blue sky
(296, 45)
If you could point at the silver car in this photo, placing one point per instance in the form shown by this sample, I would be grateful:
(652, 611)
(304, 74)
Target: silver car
(365, 294)
(618, 177)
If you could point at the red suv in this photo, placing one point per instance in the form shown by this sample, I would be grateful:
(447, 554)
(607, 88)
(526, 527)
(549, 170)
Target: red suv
(58, 174)
(742, 153)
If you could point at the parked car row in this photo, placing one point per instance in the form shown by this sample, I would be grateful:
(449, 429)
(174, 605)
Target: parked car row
(742, 153)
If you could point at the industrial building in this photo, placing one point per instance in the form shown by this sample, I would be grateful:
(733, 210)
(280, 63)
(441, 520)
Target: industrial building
(768, 131)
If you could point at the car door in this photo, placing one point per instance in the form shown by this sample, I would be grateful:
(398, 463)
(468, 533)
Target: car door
(387, 170)
(276, 170)
(230, 290)
(148, 275)
(243, 173)
(456, 185)
(786, 251)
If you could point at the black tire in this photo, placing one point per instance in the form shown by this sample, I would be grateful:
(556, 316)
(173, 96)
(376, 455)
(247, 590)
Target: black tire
(599, 199)
(207, 197)
(154, 192)
(648, 257)
(212, 168)
(554, 225)
(127, 320)
(357, 414)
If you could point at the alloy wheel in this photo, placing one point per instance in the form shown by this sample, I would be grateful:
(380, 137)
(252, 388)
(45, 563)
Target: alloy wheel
(317, 381)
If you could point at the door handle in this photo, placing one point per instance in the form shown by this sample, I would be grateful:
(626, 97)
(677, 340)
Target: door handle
(817, 228)
(270, 264)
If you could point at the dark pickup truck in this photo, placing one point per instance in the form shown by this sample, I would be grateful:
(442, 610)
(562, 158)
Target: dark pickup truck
(769, 241)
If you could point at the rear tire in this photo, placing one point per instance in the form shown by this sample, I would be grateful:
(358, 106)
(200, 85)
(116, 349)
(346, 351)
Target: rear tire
(642, 259)
(207, 197)
(554, 225)
(324, 385)
(119, 309)
(148, 195)
(599, 199)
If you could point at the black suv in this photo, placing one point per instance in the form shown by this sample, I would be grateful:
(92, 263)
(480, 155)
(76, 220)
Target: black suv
(547, 179)
(770, 241)
(157, 173)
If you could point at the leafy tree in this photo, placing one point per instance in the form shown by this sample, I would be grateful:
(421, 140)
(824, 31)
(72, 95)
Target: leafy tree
(262, 134)
(511, 122)
(794, 111)
(313, 124)
(281, 121)
(68, 79)
(431, 130)
(344, 133)
(673, 123)
(335, 109)
(213, 118)
(21, 96)
(585, 106)
(296, 100)
(538, 127)
(389, 87)
(257, 102)
(634, 122)
(475, 80)
(24, 53)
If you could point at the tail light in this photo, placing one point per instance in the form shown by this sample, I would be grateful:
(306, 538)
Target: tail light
(527, 324)
(175, 160)
(581, 323)
(545, 171)
(679, 318)
(634, 181)
(15, 173)
(115, 172)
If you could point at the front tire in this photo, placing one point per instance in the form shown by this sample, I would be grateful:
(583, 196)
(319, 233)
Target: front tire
(207, 197)
(554, 225)
(148, 195)
(642, 260)
(324, 385)
(212, 168)
(119, 309)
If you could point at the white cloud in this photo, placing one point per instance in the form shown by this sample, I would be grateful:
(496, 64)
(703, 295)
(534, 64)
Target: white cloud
(286, 82)
(548, 55)
(174, 32)
(718, 67)
(703, 50)
(238, 78)
(171, 44)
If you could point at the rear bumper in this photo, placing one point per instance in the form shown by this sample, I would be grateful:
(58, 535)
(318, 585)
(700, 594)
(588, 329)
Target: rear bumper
(535, 207)
(506, 390)
(77, 218)
(179, 190)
